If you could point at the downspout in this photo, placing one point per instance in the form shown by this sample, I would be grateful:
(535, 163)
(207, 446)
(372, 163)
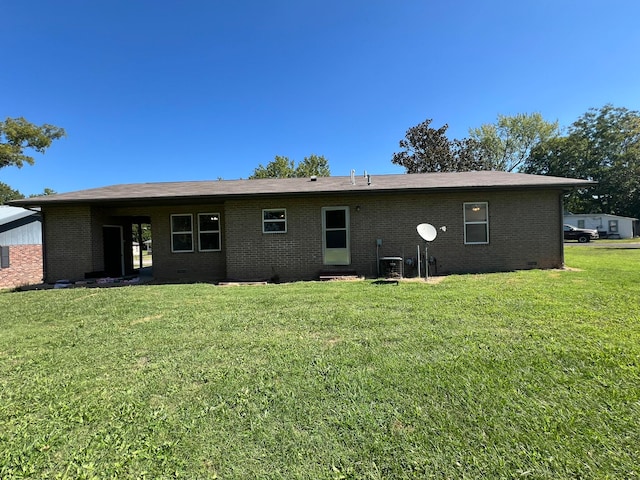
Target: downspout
(561, 228)
(42, 242)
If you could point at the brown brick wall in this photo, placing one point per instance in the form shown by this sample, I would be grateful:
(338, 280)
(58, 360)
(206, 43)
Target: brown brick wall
(185, 266)
(25, 266)
(524, 232)
(252, 254)
(74, 244)
(68, 242)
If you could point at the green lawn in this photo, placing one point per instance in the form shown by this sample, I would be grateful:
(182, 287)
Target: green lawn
(528, 374)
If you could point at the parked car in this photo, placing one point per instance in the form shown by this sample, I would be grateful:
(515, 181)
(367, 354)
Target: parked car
(582, 235)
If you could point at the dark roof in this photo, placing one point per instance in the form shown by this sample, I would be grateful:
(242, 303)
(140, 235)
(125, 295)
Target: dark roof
(221, 189)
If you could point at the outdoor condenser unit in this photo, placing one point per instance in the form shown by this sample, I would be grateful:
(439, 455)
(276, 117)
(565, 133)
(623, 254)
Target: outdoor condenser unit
(391, 267)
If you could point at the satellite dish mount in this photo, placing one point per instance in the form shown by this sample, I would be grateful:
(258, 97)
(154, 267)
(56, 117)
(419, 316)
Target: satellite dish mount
(428, 233)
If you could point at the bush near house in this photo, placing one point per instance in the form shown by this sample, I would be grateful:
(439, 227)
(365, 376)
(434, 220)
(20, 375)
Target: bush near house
(530, 373)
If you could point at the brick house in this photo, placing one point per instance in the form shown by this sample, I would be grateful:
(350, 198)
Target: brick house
(295, 229)
(20, 247)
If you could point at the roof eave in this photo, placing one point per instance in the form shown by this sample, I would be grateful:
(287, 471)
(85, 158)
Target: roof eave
(221, 197)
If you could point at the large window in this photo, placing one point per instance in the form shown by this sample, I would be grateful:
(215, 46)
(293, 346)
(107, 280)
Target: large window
(476, 223)
(209, 232)
(274, 220)
(613, 226)
(182, 233)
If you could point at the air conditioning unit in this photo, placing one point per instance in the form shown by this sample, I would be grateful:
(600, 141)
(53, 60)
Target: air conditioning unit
(391, 267)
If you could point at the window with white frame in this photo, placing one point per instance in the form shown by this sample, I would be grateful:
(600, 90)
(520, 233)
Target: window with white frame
(476, 223)
(613, 226)
(208, 232)
(580, 223)
(182, 233)
(274, 220)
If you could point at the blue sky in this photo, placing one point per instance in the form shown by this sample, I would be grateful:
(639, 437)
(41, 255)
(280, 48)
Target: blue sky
(159, 90)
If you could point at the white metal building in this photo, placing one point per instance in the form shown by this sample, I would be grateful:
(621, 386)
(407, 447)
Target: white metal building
(20, 247)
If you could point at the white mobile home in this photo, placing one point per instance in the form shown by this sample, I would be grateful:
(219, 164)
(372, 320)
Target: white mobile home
(608, 226)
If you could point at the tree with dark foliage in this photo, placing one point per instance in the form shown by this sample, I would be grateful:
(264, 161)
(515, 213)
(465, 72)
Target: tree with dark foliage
(426, 149)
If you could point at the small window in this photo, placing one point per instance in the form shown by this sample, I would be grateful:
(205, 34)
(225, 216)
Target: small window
(613, 226)
(4, 257)
(580, 223)
(476, 223)
(182, 233)
(274, 220)
(209, 232)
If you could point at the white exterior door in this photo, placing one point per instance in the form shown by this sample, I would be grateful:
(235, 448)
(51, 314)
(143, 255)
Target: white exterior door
(335, 236)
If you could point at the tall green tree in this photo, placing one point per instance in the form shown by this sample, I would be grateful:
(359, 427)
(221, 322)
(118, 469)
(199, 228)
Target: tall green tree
(282, 167)
(279, 167)
(7, 194)
(45, 192)
(426, 149)
(313, 165)
(507, 143)
(18, 135)
(602, 145)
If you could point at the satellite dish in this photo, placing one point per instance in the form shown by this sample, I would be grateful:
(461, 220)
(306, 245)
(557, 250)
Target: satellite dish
(427, 231)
